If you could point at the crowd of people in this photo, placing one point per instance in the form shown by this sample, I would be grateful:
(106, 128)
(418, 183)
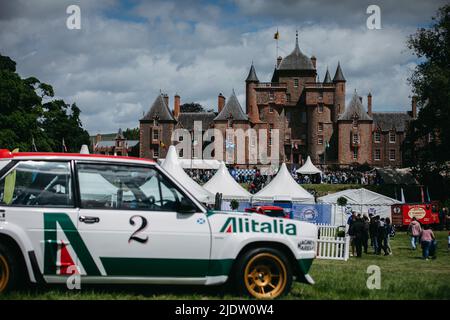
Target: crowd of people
(378, 230)
(256, 181)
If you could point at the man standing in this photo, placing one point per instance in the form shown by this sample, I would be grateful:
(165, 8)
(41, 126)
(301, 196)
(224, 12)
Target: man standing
(373, 231)
(365, 236)
(414, 231)
(357, 229)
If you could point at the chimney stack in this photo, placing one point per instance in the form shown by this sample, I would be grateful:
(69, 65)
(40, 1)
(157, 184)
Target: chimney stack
(176, 105)
(279, 61)
(369, 104)
(314, 60)
(166, 99)
(414, 107)
(220, 102)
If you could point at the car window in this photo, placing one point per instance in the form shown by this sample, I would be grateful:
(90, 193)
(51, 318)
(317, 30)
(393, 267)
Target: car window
(37, 183)
(275, 213)
(110, 186)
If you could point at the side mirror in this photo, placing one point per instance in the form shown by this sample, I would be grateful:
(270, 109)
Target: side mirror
(185, 206)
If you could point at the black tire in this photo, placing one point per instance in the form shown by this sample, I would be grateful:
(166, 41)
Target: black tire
(257, 272)
(10, 268)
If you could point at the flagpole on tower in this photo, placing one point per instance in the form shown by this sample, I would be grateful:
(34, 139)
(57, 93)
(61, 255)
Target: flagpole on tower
(276, 36)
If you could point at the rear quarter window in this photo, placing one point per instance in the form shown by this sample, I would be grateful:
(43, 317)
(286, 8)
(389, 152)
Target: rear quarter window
(37, 184)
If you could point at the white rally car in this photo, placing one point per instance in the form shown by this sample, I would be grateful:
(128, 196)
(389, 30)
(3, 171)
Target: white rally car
(125, 220)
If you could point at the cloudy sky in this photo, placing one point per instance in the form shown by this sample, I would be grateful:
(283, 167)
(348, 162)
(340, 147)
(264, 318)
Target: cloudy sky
(127, 51)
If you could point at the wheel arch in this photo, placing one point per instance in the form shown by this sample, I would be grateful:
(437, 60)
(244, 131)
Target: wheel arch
(282, 247)
(22, 253)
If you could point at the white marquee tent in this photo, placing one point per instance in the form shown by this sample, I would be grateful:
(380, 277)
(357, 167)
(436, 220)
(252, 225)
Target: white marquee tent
(308, 168)
(173, 167)
(283, 188)
(359, 200)
(225, 184)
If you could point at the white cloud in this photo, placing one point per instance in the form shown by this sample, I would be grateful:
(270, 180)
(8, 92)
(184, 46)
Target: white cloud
(113, 68)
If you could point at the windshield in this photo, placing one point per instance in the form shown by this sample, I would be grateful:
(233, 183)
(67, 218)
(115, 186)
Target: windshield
(274, 213)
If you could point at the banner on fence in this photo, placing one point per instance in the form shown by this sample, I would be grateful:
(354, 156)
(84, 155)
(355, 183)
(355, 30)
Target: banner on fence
(312, 213)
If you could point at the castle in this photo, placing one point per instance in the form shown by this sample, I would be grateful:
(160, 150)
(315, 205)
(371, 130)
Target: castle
(312, 117)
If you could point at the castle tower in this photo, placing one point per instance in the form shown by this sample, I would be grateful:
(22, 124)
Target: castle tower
(251, 107)
(339, 93)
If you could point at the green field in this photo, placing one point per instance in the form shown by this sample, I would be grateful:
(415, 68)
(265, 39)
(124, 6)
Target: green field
(403, 276)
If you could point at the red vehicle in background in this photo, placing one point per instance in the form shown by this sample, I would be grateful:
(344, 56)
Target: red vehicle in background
(425, 213)
(271, 211)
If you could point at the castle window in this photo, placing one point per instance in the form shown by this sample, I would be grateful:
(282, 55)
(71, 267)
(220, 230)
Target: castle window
(355, 154)
(270, 109)
(355, 122)
(288, 97)
(320, 127)
(155, 134)
(295, 83)
(355, 138)
(155, 153)
(377, 154)
(181, 153)
(271, 96)
(392, 136)
(270, 134)
(392, 154)
(377, 137)
(320, 139)
(320, 108)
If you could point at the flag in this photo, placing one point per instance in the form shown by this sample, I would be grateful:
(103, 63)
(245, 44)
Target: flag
(276, 36)
(428, 195)
(33, 145)
(403, 196)
(64, 148)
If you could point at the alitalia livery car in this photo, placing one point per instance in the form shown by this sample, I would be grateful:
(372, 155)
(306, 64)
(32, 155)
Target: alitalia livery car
(123, 220)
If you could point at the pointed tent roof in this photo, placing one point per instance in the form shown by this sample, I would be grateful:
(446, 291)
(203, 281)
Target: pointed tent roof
(327, 77)
(355, 108)
(284, 187)
(308, 168)
(339, 75)
(173, 167)
(252, 77)
(222, 182)
(232, 108)
(160, 110)
(296, 60)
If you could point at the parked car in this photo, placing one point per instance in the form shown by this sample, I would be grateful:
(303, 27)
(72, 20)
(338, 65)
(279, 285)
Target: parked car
(271, 211)
(116, 220)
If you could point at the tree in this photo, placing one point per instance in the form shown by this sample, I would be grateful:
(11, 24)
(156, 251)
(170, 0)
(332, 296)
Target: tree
(192, 107)
(131, 134)
(426, 144)
(24, 117)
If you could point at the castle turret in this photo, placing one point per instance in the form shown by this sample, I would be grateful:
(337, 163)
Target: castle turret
(251, 106)
(339, 98)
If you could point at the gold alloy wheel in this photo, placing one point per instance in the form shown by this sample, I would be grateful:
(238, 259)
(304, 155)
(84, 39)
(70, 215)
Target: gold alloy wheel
(4, 273)
(265, 276)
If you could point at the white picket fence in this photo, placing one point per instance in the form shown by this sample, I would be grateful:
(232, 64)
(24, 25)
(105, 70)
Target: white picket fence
(331, 247)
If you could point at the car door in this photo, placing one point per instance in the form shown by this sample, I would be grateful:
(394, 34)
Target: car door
(129, 221)
(37, 203)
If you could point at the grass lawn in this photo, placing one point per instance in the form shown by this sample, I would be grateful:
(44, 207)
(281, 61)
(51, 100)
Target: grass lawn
(403, 276)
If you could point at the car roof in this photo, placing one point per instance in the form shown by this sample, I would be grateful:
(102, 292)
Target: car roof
(270, 208)
(6, 154)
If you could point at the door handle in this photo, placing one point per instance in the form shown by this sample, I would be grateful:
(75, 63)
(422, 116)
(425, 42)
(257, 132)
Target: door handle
(86, 219)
